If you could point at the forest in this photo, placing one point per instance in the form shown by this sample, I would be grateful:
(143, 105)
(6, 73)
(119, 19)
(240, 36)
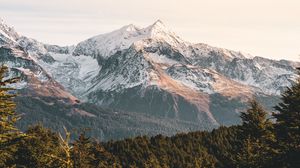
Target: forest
(262, 140)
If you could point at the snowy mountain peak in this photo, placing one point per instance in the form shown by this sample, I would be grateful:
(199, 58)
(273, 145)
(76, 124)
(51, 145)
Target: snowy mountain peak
(162, 74)
(160, 31)
(108, 44)
(2, 22)
(158, 25)
(7, 33)
(129, 28)
(159, 22)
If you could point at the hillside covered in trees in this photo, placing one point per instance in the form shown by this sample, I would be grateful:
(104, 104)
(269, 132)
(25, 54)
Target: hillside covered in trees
(260, 141)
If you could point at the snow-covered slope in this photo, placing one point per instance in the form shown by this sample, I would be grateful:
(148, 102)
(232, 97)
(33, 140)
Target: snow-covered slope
(108, 44)
(154, 72)
(7, 33)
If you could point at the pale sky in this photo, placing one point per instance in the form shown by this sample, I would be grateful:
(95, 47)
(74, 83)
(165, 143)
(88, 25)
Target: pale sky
(269, 28)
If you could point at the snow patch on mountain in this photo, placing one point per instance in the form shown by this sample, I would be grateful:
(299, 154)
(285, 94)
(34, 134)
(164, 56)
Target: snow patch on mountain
(193, 77)
(161, 59)
(193, 65)
(7, 33)
(120, 72)
(205, 50)
(74, 72)
(108, 44)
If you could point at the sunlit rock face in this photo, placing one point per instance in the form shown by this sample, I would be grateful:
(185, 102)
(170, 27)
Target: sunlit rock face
(149, 72)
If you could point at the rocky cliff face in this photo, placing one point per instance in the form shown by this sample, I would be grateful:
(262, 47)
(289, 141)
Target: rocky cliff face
(149, 72)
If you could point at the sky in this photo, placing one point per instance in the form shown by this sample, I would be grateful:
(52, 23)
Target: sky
(268, 28)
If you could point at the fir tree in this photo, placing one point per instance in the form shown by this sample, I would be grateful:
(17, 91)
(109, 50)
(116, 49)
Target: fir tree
(65, 158)
(255, 123)
(288, 125)
(8, 117)
(82, 152)
(103, 158)
(38, 147)
(257, 138)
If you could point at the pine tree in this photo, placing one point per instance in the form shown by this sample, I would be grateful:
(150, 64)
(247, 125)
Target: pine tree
(255, 123)
(257, 138)
(82, 155)
(288, 125)
(65, 145)
(103, 158)
(64, 158)
(8, 117)
(38, 147)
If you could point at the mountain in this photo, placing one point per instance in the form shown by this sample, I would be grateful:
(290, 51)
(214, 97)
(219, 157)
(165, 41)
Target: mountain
(155, 81)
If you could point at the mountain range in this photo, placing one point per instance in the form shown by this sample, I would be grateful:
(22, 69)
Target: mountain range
(137, 81)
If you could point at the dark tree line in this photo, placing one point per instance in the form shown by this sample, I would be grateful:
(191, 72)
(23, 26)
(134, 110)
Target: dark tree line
(259, 142)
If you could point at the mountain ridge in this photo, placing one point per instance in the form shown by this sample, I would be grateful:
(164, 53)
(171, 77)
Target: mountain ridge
(151, 71)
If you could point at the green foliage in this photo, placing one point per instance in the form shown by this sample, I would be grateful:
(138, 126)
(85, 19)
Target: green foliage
(65, 158)
(255, 123)
(89, 154)
(82, 152)
(223, 143)
(182, 150)
(256, 143)
(8, 132)
(8, 117)
(35, 150)
(257, 138)
(288, 126)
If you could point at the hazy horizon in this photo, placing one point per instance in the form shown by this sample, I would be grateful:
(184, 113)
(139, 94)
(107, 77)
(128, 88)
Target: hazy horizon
(269, 28)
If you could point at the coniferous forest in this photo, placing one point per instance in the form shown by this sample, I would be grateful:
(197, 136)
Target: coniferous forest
(260, 141)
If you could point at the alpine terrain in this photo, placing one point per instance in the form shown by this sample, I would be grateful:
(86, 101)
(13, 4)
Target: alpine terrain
(135, 81)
